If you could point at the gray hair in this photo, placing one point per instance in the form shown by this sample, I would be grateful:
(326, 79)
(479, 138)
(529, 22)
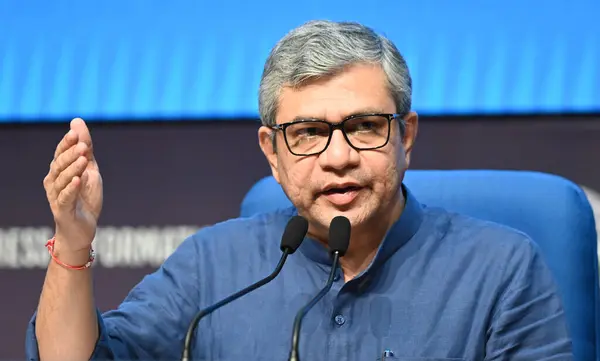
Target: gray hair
(323, 48)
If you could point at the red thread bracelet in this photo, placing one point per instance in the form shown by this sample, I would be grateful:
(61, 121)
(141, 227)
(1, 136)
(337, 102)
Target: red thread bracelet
(88, 264)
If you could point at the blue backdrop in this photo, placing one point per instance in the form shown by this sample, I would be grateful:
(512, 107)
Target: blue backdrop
(191, 58)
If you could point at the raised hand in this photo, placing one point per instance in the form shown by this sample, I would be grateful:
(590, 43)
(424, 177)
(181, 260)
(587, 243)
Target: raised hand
(74, 189)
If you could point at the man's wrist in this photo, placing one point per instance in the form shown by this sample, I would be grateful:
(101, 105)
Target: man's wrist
(69, 256)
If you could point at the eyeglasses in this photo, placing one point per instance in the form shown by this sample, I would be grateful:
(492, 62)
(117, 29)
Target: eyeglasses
(361, 131)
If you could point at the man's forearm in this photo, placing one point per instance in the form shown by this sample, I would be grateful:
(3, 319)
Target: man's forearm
(66, 325)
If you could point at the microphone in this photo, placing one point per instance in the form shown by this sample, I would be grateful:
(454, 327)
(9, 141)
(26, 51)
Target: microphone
(293, 235)
(339, 239)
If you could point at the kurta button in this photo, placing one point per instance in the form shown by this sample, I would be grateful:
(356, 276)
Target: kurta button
(340, 320)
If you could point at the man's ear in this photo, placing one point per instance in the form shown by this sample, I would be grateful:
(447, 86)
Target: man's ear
(266, 140)
(411, 126)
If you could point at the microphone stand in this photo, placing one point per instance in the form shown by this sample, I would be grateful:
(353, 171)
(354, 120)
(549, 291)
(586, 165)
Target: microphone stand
(303, 311)
(211, 309)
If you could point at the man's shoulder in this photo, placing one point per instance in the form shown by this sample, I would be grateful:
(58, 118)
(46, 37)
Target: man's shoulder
(468, 232)
(497, 252)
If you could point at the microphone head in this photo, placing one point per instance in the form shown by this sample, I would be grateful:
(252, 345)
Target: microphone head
(294, 234)
(339, 235)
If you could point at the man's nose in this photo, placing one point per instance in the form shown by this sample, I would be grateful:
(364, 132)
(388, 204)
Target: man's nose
(339, 154)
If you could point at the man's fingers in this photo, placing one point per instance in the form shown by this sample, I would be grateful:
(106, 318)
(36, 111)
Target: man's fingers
(83, 133)
(66, 158)
(75, 169)
(49, 187)
(67, 197)
(68, 140)
(71, 156)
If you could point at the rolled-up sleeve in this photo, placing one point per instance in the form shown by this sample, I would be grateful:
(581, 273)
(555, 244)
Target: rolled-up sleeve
(152, 321)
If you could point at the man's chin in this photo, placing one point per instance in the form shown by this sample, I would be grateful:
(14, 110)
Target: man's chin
(351, 211)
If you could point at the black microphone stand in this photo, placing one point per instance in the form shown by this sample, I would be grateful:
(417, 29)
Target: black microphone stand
(211, 309)
(303, 311)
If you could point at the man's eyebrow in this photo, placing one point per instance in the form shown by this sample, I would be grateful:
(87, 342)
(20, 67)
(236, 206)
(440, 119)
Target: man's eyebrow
(367, 110)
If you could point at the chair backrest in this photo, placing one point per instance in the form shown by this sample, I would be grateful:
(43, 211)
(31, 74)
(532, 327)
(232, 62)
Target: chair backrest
(550, 209)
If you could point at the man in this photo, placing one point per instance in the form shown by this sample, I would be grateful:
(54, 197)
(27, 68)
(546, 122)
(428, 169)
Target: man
(338, 133)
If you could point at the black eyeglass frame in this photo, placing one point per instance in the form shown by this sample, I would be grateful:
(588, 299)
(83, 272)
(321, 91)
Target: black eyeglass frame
(340, 125)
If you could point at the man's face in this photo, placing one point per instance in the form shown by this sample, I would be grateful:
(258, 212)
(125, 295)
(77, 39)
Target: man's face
(374, 176)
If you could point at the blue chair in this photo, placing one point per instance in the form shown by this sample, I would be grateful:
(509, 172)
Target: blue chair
(550, 209)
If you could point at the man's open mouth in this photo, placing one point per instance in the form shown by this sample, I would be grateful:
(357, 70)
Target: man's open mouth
(341, 190)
